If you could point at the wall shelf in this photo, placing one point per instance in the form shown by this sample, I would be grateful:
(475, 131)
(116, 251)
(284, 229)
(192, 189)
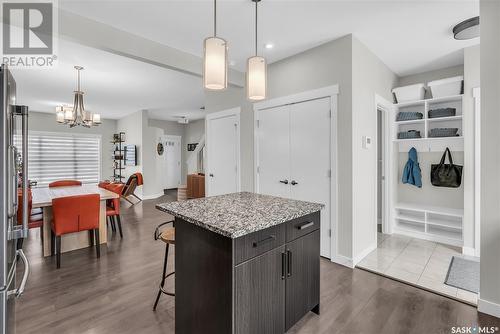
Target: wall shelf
(118, 153)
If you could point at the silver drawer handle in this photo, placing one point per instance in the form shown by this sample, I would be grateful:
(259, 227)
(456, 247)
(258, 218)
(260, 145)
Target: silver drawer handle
(264, 241)
(19, 291)
(304, 226)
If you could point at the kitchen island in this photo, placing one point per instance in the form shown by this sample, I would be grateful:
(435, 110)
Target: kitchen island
(244, 263)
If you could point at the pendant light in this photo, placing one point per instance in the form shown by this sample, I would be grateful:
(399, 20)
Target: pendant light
(77, 115)
(215, 60)
(256, 70)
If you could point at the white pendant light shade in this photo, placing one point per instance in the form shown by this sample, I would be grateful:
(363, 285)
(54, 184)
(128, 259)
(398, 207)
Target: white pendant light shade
(60, 115)
(96, 118)
(215, 63)
(256, 78)
(68, 114)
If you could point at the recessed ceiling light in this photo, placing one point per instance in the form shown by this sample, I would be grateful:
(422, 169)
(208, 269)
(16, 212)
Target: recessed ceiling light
(269, 45)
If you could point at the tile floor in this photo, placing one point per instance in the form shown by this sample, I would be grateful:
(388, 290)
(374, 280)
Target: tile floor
(419, 262)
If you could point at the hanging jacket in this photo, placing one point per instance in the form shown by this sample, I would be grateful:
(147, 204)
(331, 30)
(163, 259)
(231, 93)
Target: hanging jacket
(411, 173)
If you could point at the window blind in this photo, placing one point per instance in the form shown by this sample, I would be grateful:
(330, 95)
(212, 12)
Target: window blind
(56, 156)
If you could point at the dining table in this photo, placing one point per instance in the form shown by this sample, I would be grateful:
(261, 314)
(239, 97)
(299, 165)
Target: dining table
(42, 198)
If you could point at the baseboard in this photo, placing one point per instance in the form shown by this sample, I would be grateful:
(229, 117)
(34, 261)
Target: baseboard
(342, 260)
(152, 196)
(469, 251)
(364, 253)
(487, 307)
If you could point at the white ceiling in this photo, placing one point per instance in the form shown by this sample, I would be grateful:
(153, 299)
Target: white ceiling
(114, 86)
(410, 36)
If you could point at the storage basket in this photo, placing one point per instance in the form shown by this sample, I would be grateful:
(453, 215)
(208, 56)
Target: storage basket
(443, 132)
(446, 87)
(442, 112)
(409, 116)
(410, 134)
(409, 93)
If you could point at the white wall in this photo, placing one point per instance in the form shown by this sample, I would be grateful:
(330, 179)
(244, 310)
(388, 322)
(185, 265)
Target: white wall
(489, 297)
(472, 75)
(369, 77)
(47, 122)
(132, 126)
(195, 131)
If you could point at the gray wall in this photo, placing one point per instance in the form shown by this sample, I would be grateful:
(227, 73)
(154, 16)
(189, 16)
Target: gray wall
(425, 77)
(369, 77)
(47, 122)
(490, 159)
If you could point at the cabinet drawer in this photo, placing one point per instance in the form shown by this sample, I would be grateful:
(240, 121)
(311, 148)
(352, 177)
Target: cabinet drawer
(253, 244)
(302, 226)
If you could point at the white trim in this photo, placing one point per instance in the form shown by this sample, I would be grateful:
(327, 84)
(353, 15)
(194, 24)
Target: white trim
(331, 92)
(342, 260)
(221, 114)
(488, 307)
(387, 108)
(299, 97)
(363, 254)
(476, 93)
(152, 196)
(471, 251)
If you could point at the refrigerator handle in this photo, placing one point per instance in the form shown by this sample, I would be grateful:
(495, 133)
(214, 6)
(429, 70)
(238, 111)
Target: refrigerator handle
(12, 182)
(20, 290)
(24, 114)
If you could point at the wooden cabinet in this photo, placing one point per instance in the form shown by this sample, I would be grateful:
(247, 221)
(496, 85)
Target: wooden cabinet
(274, 274)
(302, 281)
(195, 186)
(260, 294)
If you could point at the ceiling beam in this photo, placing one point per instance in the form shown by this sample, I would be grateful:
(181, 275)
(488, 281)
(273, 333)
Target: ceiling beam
(101, 36)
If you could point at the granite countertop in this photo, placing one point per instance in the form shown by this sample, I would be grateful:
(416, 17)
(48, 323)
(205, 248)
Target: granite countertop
(238, 214)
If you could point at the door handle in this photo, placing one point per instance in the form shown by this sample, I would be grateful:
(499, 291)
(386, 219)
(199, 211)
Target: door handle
(289, 265)
(284, 181)
(283, 265)
(294, 182)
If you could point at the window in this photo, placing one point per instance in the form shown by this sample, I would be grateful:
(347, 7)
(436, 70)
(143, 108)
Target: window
(59, 156)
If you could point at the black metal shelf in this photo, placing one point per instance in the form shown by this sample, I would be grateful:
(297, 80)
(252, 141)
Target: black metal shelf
(118, 154)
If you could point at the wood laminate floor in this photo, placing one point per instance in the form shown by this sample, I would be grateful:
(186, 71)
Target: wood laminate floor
(115, 294)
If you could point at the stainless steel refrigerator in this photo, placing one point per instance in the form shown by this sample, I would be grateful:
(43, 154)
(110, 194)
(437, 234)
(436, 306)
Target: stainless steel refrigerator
(14, 179)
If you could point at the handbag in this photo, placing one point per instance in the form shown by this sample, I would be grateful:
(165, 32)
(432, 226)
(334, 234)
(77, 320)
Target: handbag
(446, 175)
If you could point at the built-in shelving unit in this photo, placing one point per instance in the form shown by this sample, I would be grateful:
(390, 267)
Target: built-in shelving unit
(430, 222)
(435, 220)
(424, 125)
(118, 156)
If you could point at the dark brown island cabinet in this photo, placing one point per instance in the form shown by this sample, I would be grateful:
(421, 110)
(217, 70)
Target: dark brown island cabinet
(249, 268)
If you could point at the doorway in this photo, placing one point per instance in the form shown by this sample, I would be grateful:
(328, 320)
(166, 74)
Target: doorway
(173, 168)
(223, 152)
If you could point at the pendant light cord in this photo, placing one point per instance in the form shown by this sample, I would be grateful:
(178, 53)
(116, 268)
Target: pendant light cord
(256, 31)
(215, 18)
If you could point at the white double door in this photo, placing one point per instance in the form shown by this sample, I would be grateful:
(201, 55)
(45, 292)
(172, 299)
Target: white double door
(294, 156)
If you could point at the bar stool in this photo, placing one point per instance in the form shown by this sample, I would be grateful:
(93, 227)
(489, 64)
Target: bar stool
(168, 237)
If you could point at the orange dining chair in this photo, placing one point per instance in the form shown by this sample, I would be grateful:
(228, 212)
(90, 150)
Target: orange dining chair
(113, 206)
(64, 183)
(75, 214)
(34, 221)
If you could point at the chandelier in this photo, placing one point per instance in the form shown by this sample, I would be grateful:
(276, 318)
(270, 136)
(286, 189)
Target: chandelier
(77, 115)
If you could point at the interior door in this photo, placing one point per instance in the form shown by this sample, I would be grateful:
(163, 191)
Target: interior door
(260, 294)
(274, 151)
(173, 161)
(223, 155)
(310, 142)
